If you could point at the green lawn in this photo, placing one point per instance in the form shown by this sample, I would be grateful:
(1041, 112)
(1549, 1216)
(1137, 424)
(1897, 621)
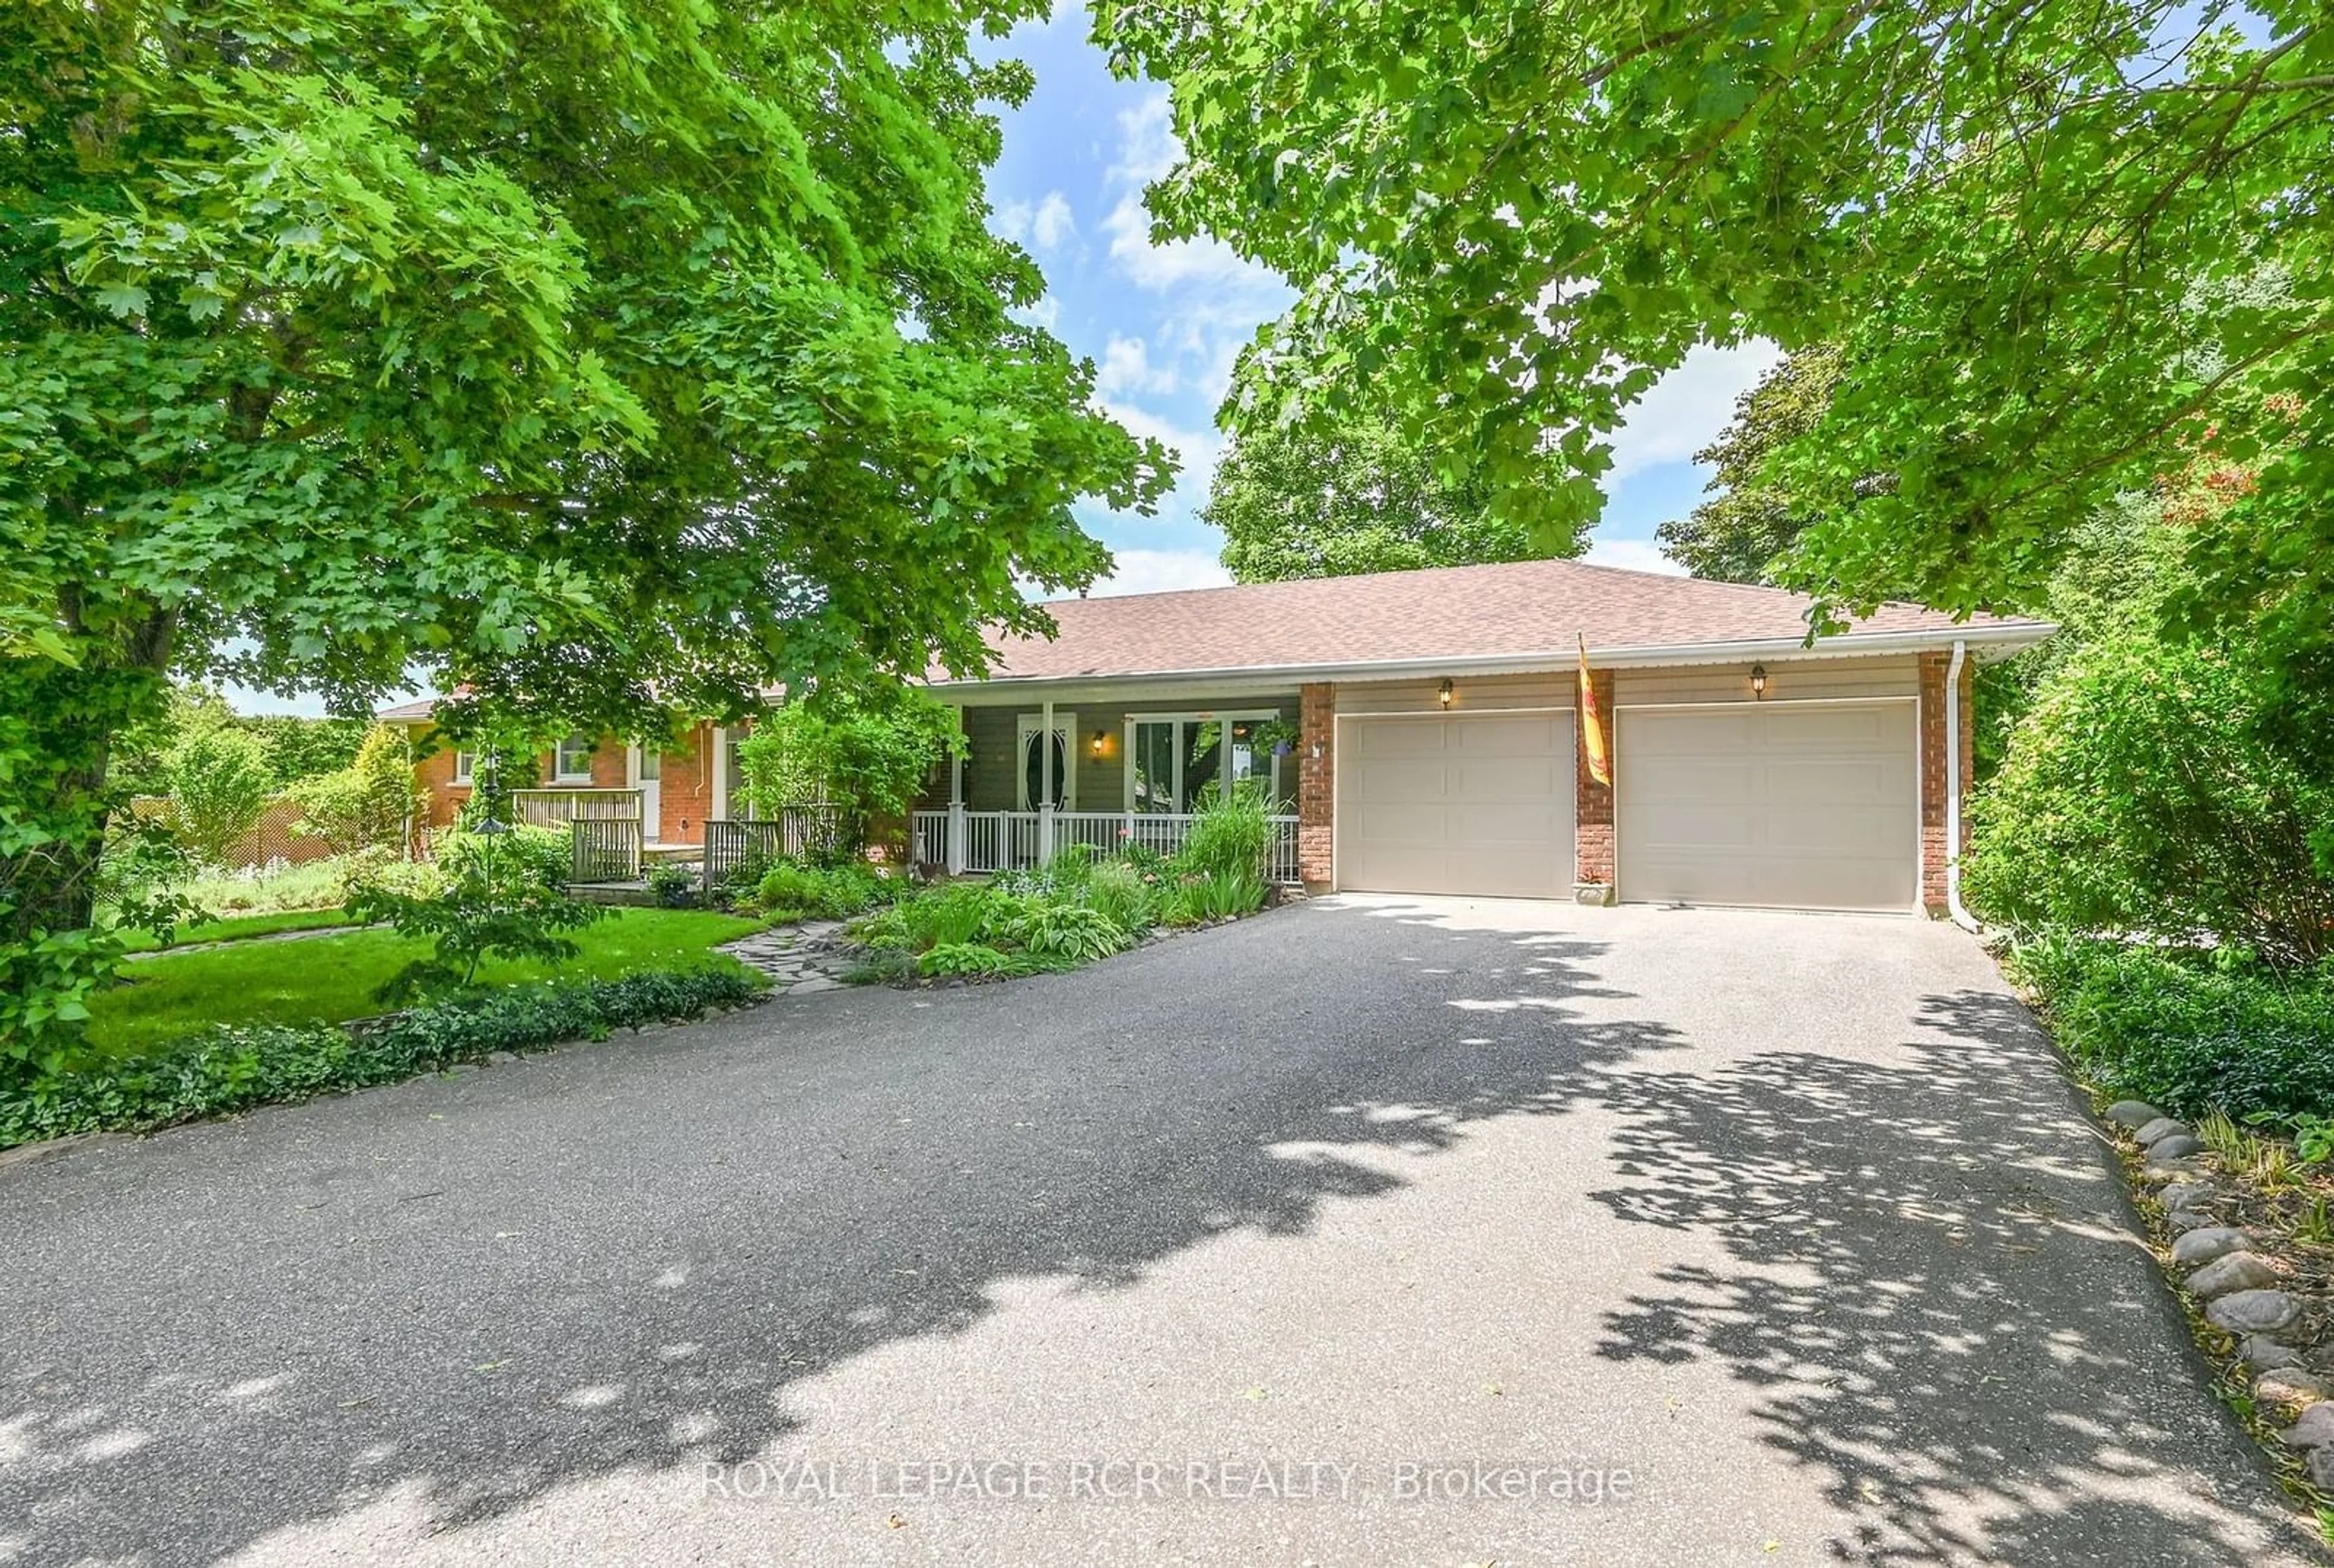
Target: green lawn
(333, 979)
(239, 927)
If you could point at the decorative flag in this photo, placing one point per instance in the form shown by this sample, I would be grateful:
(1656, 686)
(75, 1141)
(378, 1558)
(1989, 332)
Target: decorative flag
(1592, 725)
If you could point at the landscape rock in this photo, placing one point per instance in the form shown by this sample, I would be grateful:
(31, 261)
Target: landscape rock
(2322, 1469)
(2314, 1428)
(2161, 1128)
(2199, 1248)
(815, 982)
(2255, 1311)
(2160, 1172)
(2188, 1194)
(2173, 1147)
(2290, 1389)
(2133, 1113)
(2239, 1271)
(2264, 1353)
(2183, 1220)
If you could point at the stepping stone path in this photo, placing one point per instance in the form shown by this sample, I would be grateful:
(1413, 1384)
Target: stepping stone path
(801, 960)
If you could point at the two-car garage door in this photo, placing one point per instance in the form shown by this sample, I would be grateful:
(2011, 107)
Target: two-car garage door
(1792, 804)
(1456, 804)
(1801, 805)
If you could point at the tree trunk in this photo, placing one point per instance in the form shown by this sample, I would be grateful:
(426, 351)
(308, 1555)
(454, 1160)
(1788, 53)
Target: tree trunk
(58, 724)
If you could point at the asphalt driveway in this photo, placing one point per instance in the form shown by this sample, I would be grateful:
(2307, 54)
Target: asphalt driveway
(1390, 1231)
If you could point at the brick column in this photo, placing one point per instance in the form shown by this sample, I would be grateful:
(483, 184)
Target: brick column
(1592, 802)
(1316, 773)
(1933, 776)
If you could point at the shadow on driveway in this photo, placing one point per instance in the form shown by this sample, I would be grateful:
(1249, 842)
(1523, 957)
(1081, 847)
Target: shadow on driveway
(472, 1290)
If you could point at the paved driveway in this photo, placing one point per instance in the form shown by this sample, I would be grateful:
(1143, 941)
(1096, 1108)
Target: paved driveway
(1722, 1237)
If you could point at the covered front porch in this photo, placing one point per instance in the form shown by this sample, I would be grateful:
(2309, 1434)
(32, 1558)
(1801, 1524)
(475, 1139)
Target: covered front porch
(1106, 771)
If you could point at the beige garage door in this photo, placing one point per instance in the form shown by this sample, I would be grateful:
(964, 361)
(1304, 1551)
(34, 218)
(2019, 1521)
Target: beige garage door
(1456, 804)
(1796, 806)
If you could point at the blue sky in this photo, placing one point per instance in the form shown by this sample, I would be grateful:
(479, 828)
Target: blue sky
(1163, 324)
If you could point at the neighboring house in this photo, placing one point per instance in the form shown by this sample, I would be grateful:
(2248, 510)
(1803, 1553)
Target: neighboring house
(676, 790)
(1420, 730)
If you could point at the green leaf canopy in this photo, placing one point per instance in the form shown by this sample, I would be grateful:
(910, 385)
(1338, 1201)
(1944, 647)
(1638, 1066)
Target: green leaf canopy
(2051, 242)
(580, 349)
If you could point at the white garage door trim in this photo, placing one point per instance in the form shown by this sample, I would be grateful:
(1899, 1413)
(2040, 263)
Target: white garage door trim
(1621, 763)
(1566, 757)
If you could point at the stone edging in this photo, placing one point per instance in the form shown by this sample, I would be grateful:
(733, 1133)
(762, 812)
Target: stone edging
(2273, 1332)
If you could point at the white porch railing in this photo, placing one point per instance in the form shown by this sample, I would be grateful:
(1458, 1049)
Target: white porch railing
(963, 841)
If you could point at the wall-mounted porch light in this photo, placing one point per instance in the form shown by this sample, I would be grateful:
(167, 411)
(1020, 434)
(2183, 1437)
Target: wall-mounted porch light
(1757, 682)
(1100, 744)
(1443, 693)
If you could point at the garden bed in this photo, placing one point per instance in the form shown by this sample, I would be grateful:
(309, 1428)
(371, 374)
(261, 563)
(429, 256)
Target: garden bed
(2245, 1229)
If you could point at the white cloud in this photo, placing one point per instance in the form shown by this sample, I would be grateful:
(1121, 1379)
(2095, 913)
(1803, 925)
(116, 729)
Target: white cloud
(1160, 572)
(1052, 224)
(1688, 407)
(1632, 555)
(1178, 261)
(1047, 312)
(1198, 450)
(1043, 224)
(1126, 367)
(1147, 150)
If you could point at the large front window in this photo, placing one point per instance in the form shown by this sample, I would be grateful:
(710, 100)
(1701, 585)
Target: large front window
(1177, 760)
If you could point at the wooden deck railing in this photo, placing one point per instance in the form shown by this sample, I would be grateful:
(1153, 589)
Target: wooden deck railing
(555, 808)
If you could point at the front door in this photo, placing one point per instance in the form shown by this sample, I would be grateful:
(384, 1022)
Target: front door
(1033, 793)
(647, 766)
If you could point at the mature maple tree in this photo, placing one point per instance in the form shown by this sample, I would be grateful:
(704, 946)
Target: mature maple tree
(610, 356)
(1358, 497)
(2049, 242)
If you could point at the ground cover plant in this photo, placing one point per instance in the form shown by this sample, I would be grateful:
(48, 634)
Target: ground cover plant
(231, 1067)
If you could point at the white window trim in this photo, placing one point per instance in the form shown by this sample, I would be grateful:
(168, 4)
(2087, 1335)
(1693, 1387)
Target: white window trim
(1065, 725)
(559, 771)
(466, 763)
(1201, 715)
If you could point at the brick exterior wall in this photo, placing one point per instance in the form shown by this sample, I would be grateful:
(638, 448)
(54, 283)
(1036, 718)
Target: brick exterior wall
(1934, 774)
(685, 789)
(1592, 802)
(1317, 775)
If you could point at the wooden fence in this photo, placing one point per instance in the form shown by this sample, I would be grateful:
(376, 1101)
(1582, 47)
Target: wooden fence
(605, 849)
(812, 831)
(270, 841)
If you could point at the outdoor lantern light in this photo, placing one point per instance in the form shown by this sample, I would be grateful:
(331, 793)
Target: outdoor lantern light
(1757, 681)
(1443, 695)
(1098, 743)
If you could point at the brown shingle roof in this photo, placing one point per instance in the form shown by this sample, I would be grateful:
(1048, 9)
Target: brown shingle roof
(1517, 610)
(406, 712)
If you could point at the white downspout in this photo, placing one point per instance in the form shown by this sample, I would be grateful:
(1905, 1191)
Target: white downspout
(1953, 905)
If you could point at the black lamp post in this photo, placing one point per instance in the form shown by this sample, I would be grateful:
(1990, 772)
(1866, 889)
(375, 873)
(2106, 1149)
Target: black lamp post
(493, 828)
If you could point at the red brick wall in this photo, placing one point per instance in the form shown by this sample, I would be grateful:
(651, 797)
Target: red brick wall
(1934, 774)
(686, 796)
(1317, 772)
(1592, 802)
(435, 775)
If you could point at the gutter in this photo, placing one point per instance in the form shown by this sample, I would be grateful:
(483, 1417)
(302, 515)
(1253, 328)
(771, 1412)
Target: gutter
(1953, 905)
(1853, 644)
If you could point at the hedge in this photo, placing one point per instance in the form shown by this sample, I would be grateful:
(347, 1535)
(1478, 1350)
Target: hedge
(231, 1068)
(2185, 1033)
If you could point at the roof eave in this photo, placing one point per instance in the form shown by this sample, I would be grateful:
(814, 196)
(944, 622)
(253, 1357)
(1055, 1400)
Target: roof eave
(1998, 642)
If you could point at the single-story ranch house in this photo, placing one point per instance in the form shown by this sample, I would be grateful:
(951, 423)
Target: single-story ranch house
(1421, 732)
